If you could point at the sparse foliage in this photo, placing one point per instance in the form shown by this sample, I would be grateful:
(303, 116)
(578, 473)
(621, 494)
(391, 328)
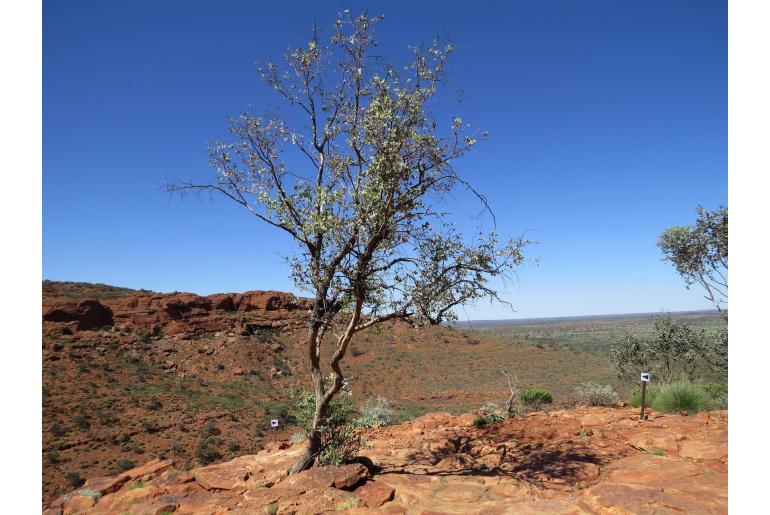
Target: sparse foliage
(699, 253)
(534, 398)
(358, 186)
(673, 349)
(339, 442)
(595, 394)
(375, 412)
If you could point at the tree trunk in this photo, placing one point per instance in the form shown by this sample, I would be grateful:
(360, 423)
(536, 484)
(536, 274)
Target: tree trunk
(311, 451)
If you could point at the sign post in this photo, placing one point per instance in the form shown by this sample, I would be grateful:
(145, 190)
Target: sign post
(645, 380)
(274, 423)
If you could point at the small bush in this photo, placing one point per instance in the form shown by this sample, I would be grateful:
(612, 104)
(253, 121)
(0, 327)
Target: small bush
(298, 437)
(150, 426)
(534, 397)
(636, 396)
(125, 464)
(210, 429)
(681, 396)
(355, 351)
(74, 479)
(81, 421)
(491, 413)
(480, 422)
(375, 412)
(58, 430)
(154, 404)
(595, 394)
(234, 447)
(52, 457)
(717, 392)
(339, 446)
(207, 451)
(339, 442)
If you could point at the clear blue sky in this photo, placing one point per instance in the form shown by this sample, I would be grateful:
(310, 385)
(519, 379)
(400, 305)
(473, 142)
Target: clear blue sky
(608, 123)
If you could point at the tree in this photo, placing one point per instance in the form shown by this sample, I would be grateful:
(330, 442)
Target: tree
(358, 186)
(673, 348)
(699, 253)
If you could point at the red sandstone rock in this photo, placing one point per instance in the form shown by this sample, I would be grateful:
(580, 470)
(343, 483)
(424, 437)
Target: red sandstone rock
(374, 494)
(88, 314)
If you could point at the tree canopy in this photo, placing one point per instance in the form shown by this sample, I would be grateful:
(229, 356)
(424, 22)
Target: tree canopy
(699, 253)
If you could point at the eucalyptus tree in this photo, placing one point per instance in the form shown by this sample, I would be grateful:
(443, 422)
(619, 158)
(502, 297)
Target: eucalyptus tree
(699, 253)
(358, 184)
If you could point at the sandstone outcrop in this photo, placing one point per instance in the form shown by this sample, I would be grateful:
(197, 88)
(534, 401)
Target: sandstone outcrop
(540, 464)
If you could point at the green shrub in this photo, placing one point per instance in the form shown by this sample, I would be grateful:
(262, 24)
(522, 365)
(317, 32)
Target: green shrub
(74, 479)
(717, 392)
(491, 413)
(81, 421)
(150, 426)
(124, 465)
(534, 397)
(339, 442)
(234, 447)
(595, 394)
(339, 446)
(154, 404)
(681, 396)
(58, 430)
(207, 451)
(480, 422)
(636, 396)
(375, 412)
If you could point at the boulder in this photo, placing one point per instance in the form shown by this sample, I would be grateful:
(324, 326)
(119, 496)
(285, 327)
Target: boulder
(375, 493)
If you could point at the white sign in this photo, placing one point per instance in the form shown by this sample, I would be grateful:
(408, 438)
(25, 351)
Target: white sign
(646, 377)
(274, 423)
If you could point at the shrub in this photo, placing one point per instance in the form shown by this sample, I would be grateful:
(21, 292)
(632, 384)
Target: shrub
(74, 479)
(339, 442)
(636, 396)
(150, 426)
(375, 412)
(717, 392)
(81, 421)
(355, 351)
(298, 437)
(672, 349)
(58, 430)
(681, 396)
(491, 413)
(234, 447)
(125, 464)
(480, 422)
(339, 446)
(154, 404)
(207, 451)
(535, 397)
(595, 394)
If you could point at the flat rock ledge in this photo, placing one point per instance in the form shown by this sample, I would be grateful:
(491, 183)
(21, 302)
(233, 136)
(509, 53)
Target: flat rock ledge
(583, 461)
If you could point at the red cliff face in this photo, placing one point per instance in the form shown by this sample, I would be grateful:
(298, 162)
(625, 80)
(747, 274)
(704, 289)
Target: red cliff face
(178, 313)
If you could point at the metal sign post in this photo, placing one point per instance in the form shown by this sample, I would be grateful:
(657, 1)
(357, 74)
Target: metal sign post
(645, 380)
(274, 423)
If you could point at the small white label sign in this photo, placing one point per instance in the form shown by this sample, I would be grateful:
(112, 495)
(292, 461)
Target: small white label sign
(646, 377)
(274, 423)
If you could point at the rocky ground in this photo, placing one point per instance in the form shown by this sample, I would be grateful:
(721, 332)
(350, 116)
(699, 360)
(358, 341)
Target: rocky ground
(588, 460)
